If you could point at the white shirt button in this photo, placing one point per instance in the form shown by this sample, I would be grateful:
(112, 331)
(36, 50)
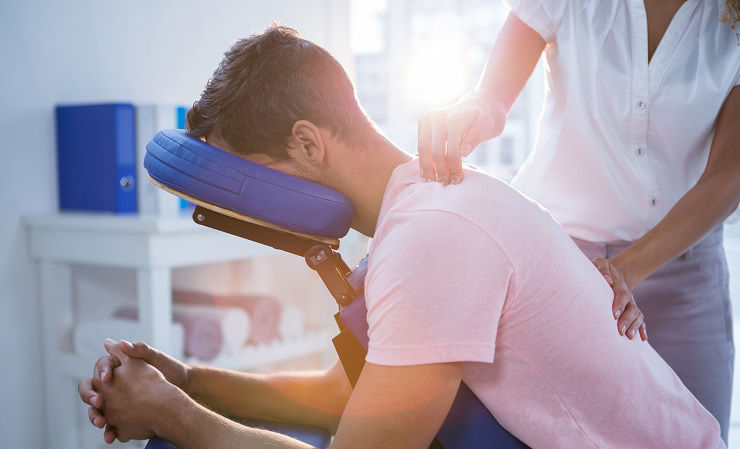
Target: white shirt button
(640, 151)
(653, 202)
(641, 104)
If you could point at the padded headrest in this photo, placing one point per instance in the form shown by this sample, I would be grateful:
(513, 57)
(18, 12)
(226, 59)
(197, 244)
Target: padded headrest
(191, 166)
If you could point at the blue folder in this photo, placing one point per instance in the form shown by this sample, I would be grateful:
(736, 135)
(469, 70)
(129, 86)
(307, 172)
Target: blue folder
(96, 157)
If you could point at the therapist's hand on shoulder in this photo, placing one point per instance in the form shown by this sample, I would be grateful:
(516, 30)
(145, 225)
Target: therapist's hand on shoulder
(630, 320)
(448, 134)
(174, 371)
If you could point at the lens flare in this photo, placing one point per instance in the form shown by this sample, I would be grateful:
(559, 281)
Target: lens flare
(436, 75)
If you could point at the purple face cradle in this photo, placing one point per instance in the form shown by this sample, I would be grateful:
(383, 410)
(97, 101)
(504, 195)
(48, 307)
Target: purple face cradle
(258, 158)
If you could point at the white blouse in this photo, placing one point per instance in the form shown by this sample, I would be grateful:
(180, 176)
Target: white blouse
(620, 141)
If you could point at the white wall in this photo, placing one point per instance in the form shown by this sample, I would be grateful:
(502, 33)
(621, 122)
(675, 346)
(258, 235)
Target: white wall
(53, 52)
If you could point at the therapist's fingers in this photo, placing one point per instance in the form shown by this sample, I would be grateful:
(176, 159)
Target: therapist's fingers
(643, 332)
(622, 294)
(622, 297)
(464, 132)
(424, 135)
(630, 315)
(458, 123)
(634, 329)
(438, 147)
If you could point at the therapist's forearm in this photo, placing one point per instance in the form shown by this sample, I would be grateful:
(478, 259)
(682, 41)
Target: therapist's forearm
(704, 207)
(510, 64)
(189, 425)
(311, 398)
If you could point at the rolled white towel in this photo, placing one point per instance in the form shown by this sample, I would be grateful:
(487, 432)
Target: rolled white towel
(263, 311)
(292, 322)
(234, 322)
(88, 337)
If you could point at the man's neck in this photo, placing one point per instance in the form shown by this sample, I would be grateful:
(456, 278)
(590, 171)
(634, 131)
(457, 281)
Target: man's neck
(366, 182)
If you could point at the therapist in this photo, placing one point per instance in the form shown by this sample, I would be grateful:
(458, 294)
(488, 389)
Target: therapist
(637, 156)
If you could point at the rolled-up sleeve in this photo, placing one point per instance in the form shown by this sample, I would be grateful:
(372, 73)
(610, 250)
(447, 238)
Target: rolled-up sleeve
(543, 16)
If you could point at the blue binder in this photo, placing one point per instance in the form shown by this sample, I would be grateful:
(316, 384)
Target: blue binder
(96, 157)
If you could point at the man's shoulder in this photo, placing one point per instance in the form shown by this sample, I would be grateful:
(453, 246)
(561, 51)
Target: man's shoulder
(443, 234)
(479, 201)
(426, 222)
(477, 188)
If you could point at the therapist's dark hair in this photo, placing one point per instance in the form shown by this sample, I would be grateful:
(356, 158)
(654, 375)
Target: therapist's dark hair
(267, 82)
(733, 15)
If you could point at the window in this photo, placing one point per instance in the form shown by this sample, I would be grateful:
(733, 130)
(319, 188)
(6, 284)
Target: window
(413, 55)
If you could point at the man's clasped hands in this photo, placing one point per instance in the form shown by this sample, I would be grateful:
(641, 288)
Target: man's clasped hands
(130, 388)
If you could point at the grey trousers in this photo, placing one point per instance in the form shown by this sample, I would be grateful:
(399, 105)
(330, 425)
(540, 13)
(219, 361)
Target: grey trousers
(688, 315)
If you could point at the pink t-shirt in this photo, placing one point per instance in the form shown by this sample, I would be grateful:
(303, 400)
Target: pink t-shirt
(477, 273)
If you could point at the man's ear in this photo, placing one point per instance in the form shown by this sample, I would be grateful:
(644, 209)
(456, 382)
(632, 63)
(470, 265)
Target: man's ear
(305, 144)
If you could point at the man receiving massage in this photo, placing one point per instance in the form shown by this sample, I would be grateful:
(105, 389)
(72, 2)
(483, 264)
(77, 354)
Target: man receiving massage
(509, 305)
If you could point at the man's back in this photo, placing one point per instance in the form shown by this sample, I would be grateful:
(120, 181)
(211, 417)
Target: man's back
(476, 273)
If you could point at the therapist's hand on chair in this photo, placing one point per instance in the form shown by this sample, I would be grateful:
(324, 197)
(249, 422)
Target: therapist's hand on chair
(630, 320)
(173, 370)
(448, 134)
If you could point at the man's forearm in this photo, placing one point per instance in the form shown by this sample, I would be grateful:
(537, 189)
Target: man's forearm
(315, 398)
(704, 207)
(189, 425)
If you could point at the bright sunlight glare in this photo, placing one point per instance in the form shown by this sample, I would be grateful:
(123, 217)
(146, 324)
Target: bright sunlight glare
(436, 75)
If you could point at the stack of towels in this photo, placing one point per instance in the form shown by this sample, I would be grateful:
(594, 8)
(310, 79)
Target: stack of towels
(204, 324)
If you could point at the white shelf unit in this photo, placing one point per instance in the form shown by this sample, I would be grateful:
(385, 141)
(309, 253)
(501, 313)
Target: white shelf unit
(256, 356)
(152, 247)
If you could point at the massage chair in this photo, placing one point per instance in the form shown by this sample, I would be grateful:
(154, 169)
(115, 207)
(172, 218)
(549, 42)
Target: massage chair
(239, 197)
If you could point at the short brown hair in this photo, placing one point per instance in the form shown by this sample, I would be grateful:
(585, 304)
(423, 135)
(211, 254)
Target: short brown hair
(267, 82)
